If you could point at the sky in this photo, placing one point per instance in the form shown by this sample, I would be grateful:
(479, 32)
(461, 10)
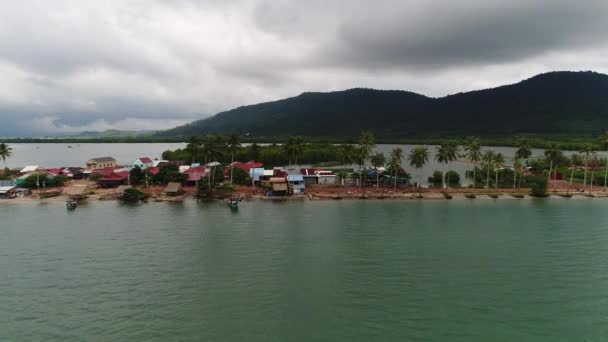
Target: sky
(68, 66)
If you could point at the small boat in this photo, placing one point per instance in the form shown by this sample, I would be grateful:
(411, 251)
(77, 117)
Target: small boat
(469, 196)
(233, 203)
(50, 193)
(71, 204)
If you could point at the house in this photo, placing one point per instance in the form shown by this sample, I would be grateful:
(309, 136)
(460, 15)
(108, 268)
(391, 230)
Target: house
(309, 176)
(173, 189)
(325, 177)
(143, 163)
(296, 183)
(159, 163)
(114, 180)
(279, 186)
(195, 175)
(7, 191)
(256, 173)
(30, 168)
(97, 163)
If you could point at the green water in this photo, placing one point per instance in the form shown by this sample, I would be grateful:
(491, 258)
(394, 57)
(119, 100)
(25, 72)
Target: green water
(479, 270)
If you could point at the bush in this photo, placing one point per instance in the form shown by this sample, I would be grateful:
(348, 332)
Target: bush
(42, 180)
(436, 179)
(133, 196)
(452, 178)
(168, 173)
(538, 186)
(239, 176)
(136, 176)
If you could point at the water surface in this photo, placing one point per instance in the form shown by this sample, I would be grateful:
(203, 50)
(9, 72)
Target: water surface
(482, 270)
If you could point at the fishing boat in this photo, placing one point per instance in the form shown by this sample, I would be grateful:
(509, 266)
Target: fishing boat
(71, 204)
(233, 202)
(50, 193)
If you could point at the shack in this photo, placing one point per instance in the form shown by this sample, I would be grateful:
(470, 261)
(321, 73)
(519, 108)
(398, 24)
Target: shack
(173, 189)
(279, 186)
(296, 184)
(325, 177)
(7, 191)
(77, 192)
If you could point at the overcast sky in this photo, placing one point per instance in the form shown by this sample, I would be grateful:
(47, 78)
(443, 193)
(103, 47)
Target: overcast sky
(68, 66)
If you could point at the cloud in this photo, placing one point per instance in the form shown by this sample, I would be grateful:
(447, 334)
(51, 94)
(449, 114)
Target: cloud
(71, 64)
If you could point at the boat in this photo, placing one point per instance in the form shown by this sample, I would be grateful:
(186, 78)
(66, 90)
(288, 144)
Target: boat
(50, 193)
(233, 202)
(469, 196)
(71, 204)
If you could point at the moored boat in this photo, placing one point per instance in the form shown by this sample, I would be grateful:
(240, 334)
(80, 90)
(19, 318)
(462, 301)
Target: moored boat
(50, 193)
(71, 204)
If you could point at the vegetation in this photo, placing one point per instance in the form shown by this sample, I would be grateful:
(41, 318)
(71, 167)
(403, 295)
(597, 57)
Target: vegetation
(133, 195)
(5, 152)
(168, 173)
(558, 103)
(43, 180)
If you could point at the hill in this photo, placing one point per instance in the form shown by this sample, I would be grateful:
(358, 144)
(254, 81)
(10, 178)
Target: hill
(558, 103)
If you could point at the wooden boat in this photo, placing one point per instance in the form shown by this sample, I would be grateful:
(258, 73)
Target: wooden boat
(71, 204)
(50, 193)
(518, 195)
(469, 196)
(233, 203)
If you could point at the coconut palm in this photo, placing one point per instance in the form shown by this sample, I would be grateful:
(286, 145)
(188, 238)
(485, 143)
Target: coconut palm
(212, 149)
(5, 152)
(366, 146)
(488, 158)
(194, 147)
(472, 151)
(604, 146)
(394, 163)
(516, 169)
(586, 151)
(594, 163)
(378, 160)
(417, 158)
(345, 154)
(499, 160)
(523, 149)
(233, 145)
(574, 162)
(298, 149)
(445, 154)
(553, 154)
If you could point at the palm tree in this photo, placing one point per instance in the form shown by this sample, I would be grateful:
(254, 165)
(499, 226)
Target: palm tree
(233, 145)
(553, 155)
(574, 162)
(366, 146)
(5, 152)
(498, 161)
(604, 146)
(488, 158)
(394, 163)
(194, 147)
(445, 154)
(288, 149)
(417, 158)
(594, 163)
(298, 149)
(587, 149)
(523, 149)
(378, 160)
(472, 151)
(345, 154)
(213, 147)
(516, 167)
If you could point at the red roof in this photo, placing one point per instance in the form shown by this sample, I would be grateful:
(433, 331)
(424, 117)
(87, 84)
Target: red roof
(54, 171)
(145, 160)
(106, 171)
(120, 176)
(153, 170)
(245, 166)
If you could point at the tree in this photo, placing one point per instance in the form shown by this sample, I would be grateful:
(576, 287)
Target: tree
(345, 154)
(445, 154)
(499, 160)
(553, 155)
(194, 148)
(594, 163)
(253, 152)
(472, 151)
(538, 186)
(604, 146)
(516, 170)
(523, 149)
(240, 177)
(133, 195)
(5, 152)
(366, 146)
(586, 151)
(213, 149)
(418, 158)
(488, 158)
(394, 163)
(233, 145)
(136, 176)
(378, 160)
(168, 173)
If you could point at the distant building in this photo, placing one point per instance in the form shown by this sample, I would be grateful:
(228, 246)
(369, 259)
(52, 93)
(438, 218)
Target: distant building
(30, 168)
(296, 183)
(279, 186)
(325, 177)
(102, 162)
(173, 189)
(143, 163)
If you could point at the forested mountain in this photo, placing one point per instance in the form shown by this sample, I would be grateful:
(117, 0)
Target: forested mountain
(566, 103)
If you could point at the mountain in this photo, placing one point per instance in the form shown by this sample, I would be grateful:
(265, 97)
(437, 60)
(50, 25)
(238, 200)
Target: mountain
(568, 103)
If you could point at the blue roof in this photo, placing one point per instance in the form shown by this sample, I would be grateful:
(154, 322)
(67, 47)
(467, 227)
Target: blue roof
(295, 178)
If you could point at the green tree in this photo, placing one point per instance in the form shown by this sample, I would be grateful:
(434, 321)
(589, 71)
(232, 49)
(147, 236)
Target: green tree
(5, 152)
(445, 154)
(240, 177)
(233, 145)
(586, 151)
(472, 151)
(553, 155)
(603, 146)
(488, 158)
(418, 158)
(523, 149)
(394, 164)
(378, 160)
(366, 146)
(499, 160)
(538, 186)
(136, 176)
(194, 148)
(345, 154)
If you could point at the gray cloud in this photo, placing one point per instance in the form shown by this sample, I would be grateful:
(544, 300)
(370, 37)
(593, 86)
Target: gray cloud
(69, 65)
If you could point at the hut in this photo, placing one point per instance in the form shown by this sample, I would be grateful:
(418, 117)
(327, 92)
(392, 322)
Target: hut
(173, 189)
(325, 177)
(77, 192)
(7, 191)
(279, 186)
(296, 184)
